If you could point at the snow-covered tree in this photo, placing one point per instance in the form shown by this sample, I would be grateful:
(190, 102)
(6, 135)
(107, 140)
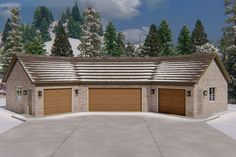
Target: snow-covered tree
(184, 41)
(228, 44)
(61, 46)
(14, 40)
(207, 48)
(165, 39)
(130, 50)
(90, 41)
(198, 37)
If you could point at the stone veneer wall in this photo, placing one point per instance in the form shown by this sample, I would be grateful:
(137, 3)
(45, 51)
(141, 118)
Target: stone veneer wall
(211, 78)
(18, 77)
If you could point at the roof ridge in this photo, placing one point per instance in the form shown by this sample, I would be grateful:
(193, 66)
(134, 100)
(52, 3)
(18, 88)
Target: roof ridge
(74, 59)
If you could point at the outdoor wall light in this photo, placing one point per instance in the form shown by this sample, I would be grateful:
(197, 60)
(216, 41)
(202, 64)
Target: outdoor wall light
(24, 92)
(152, 91)
(76, 91)
(205, 92)
(188, 93)
(39, 93)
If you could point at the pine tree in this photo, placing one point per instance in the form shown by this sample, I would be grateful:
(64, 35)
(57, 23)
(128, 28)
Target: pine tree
(74, 30)
(110, 40)
(28, 33)
(63, 17)
(228, 44)
(151, 44)
(61, 46)
(198, 37)
(32, 40)
(184, 41)
(14, 40)
(165, 37)
(100, 32)
(120, 44)
(35, 46)
(6, 31)
(90, 40)
(130, 50)
(68, 13)
(42, 20)
(44, 30)
(76, 13)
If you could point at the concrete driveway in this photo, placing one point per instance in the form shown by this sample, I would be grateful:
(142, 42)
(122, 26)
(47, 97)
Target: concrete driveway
(116, 136)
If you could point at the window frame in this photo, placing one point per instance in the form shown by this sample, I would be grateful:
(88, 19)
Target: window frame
(212, 94)
(19, 93)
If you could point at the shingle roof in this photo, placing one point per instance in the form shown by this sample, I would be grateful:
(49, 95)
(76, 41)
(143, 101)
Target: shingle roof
(178, 69)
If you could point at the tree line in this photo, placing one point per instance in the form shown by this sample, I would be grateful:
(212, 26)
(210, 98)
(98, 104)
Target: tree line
(87, 26)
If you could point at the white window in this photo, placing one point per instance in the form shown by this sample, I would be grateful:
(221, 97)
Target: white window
(18, 94)
(212, 94)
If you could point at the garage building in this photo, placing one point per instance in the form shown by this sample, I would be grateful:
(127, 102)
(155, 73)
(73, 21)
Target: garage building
(192, 85)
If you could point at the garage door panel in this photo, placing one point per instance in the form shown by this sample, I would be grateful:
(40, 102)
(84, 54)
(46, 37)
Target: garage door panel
(115, 99)
(57, 101)
(172, 101)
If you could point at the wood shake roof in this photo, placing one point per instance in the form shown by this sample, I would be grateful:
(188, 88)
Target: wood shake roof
(179, 69)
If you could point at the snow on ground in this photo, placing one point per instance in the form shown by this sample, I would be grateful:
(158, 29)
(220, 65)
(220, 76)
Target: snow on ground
(74, 44)
(226, 123)
(6, 121)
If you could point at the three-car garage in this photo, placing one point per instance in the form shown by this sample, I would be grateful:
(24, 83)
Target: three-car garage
(170, 101)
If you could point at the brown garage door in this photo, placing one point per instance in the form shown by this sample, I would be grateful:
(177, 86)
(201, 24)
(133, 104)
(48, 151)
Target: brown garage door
(172, 101)
(57, 101)
(115, 100)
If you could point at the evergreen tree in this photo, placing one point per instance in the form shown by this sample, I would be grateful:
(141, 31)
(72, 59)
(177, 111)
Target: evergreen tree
(184, 41)
(90, 40)
(198, 37)
(14, 40)
(76, 13)
(6, 31)
(68, 13)
(42, 20)
(151, 44)
(35, 46)
(110, 40)
(120, 44)
(165, 37)
(74, 30)
(28, 33)
(61, 46)
(228, 44)
(100, 32)
(44, 30)
(130, 50)
(32, 40)
(63, 17)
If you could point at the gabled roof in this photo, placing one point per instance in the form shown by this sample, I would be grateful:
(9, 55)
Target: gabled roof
(177, 69)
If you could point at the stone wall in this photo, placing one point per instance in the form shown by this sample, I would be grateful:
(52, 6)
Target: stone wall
(211, 78)
(18, 78)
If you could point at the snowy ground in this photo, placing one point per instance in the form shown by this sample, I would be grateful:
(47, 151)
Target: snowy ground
(226, 123)
(6, 121)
